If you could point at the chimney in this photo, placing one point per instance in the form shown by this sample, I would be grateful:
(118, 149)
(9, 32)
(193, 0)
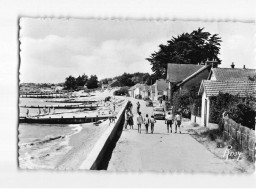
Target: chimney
(232, 65)
(213, 63)
(244, 67)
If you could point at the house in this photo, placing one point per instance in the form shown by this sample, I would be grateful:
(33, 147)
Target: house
(159, 89)
(104, 86)
(145, 91)
(138, 91)
(228, 74)
(211, 88)
(141, 90)
(232, 80)
(131, 91)
(114, 83)
(152, 92)
(185, 76)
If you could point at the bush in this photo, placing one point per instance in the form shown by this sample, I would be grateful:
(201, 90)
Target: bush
(237, 109)
(122, 91)
(187, 101)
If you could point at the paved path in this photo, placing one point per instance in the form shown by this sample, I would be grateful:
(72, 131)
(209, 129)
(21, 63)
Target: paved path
(162, 151)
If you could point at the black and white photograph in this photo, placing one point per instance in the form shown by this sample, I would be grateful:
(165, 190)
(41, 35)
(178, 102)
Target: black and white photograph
(125, 95)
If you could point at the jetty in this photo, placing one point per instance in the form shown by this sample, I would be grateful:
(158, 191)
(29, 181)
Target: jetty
(62, 120)
(44, 95)
(91, 107)
(73, 101)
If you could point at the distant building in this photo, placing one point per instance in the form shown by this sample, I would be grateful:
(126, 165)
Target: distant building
(104, 86)
(159, 90)
(114, 83)
(139, 90)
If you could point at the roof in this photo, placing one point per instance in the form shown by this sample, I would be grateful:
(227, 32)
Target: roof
(195, 74)
(179, 72)
(224, 74)
(146, 88)
(138, 85)
(113, 82)
(161, 85)
(241, 88)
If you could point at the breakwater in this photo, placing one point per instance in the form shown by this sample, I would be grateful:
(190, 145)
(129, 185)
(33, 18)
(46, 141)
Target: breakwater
(91, 107)
(62, 120)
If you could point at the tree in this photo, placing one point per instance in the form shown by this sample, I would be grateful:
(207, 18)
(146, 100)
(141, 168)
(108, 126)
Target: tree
(81, 80)
(151, 79)
(70, 83)
(125, 79)
(187, 48)
(92, 82)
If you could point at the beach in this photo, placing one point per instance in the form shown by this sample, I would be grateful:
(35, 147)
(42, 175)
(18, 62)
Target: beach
(62, 146)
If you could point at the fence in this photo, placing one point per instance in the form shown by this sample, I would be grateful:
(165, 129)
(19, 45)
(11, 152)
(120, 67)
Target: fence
(244, 136)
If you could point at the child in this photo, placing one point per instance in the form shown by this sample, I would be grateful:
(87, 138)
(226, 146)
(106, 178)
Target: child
(177, 122)
(139, 122)
(152, 123)
(146, 122)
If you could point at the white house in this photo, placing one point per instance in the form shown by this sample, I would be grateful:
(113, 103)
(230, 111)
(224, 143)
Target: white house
(226, 80)
(211, 88)
(159, 89)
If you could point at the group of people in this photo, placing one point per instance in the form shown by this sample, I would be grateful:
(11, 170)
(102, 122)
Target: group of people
(146, 121)
(149, 122)
(129, 116)
(170, 120)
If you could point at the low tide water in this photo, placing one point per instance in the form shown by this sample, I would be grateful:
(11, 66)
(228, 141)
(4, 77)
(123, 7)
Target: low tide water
(41, 146)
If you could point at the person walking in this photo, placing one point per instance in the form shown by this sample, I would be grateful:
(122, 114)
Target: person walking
(178, 119)
(126, 117)
(146, 122)
(169, 121)
(130, 120)
(138, 107)
(152, 123)
(114, 106)
(139, 121)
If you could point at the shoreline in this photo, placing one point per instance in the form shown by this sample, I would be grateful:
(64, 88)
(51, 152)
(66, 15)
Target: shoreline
(70, 150)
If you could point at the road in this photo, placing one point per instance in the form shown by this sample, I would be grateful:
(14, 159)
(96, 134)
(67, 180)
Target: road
(162, 151)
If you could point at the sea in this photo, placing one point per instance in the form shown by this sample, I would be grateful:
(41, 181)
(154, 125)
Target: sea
(41, 146)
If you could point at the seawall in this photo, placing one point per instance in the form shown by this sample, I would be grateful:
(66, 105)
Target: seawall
(100, 149)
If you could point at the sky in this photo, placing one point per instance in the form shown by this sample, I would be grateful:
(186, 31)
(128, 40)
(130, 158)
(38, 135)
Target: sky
(53, 49)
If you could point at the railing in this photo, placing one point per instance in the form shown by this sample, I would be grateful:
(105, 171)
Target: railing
(244, 136)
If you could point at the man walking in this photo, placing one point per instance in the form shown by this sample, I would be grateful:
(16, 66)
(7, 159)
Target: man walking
(139, 122)
(177, 122)
(168, 121)
(138, 107)
(126, 117)
(146, 122)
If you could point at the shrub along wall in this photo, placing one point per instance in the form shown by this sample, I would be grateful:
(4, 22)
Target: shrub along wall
(238, 109)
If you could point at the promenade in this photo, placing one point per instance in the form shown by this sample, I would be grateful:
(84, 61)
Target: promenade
(162, 151)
